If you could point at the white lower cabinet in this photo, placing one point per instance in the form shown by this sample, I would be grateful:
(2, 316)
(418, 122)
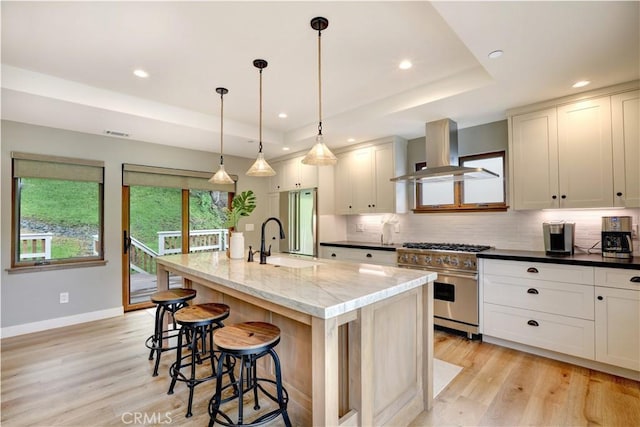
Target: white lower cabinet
(553, 332)
(369, 256)
(589, 312)
(617, 311)
(542, 305)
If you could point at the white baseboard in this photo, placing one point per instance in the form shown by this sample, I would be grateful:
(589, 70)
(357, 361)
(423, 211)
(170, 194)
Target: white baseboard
(27, 328)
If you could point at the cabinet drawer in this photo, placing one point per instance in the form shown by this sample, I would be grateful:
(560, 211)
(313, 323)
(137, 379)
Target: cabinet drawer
(565, 299)
(540, 271)
(549, 331)
(359, 255)
(617, 278)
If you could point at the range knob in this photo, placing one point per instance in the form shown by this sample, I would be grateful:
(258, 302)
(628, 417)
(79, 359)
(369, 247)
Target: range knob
(454, 261)
(414, 259)
(427, 259)
(469, 263)
(404, 258)
(446, 259)
(439, 260)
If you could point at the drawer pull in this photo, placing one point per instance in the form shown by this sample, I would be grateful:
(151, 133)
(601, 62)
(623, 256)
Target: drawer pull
(532, 323)
(369, 255)
(333, 255)
(635, 279)
(532, 291)
(600, 298)
(532, 270)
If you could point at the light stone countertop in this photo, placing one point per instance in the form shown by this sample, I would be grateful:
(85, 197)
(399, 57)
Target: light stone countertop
(325, 290)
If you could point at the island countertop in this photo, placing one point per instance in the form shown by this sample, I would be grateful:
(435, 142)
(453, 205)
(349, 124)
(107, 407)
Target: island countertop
(325, 289)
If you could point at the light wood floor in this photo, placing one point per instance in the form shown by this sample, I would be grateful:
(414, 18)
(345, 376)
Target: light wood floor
(98, 374)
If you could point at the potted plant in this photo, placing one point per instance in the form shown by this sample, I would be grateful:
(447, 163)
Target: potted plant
(241, 206)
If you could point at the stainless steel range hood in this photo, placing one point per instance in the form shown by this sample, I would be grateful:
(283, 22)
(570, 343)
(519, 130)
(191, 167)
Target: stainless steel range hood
(442, 157)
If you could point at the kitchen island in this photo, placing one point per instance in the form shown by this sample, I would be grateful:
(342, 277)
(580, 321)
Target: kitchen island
(356, 339)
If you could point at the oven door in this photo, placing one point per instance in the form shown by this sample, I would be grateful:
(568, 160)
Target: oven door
(455, 298)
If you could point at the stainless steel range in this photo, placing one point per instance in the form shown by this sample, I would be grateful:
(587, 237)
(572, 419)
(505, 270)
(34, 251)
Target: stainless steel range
(455, 303)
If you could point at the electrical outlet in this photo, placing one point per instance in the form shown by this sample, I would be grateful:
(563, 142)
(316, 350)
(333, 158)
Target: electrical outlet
(64, 297)
(248, 227)
(396, 228)
(634, 231)
(359, 227)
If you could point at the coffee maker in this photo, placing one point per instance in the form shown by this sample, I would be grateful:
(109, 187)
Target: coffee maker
(616, 237)
(559, 237)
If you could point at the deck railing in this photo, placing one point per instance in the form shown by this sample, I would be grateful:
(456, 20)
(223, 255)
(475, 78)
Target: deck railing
(170, 242)
(35, 246)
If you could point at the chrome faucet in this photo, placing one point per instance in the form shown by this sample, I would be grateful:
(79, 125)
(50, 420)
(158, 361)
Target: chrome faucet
(263, 252)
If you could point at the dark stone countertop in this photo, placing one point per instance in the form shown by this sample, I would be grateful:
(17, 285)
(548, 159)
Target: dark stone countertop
(362, 245)
(590, 260)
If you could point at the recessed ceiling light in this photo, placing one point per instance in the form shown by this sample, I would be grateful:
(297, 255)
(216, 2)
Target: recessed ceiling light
(283, 115)
(405, 65)
(285, 148)
(495, 54)
(141, 73)
(581, 83)
(351, 140)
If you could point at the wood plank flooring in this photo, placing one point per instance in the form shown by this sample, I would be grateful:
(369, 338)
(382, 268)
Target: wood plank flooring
(98, 374)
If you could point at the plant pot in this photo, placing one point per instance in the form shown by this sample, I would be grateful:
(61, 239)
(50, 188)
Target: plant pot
(236, 245)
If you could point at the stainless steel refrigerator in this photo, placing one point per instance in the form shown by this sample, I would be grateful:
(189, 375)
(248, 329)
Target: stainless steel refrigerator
(298, 213)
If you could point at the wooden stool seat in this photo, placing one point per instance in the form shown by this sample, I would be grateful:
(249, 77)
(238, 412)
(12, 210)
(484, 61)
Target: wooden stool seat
(167, 304)
(246, 336)
(173, 296)
(246, 343)
(198, 322)
(195, 315)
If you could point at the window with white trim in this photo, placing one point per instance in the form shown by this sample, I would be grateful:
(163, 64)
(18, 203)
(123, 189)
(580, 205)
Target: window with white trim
(57, 211)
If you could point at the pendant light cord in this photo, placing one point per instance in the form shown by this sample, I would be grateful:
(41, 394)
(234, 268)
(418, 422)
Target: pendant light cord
(221, 128)
(260, 142)
(319, 83)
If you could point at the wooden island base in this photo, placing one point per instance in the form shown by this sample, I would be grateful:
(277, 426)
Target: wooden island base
(369, 366)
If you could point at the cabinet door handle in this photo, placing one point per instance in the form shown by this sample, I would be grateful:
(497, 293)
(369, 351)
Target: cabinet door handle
(532, 323)
(554, 197)
(564, 196)
(369, 255)
(532, 270)
(635, 279)
(333, 255)
(600, 297)
(619, 194)
(532, 291)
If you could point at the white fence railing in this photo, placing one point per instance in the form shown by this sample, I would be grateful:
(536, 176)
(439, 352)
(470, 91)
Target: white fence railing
(35, 246)
(170, 242)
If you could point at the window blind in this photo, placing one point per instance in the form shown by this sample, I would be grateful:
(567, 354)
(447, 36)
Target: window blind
(28, 165)
(152, 176)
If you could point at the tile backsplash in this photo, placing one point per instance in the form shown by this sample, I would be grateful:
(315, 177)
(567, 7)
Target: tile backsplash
(504, 230)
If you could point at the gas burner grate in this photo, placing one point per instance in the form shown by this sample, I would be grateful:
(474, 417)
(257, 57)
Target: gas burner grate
(454, 247)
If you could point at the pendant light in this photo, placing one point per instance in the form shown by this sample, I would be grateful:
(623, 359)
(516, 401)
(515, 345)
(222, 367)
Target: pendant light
(319, 155)
(260, 167)
(221, 177)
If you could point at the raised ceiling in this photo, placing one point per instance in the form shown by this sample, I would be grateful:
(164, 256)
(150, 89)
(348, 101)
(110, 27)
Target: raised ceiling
(69, 65)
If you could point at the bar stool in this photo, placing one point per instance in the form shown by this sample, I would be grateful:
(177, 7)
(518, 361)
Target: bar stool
(167, 303)
(247, 342)
(198, 323)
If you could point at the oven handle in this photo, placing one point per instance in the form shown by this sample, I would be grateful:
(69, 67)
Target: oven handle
(461, 276)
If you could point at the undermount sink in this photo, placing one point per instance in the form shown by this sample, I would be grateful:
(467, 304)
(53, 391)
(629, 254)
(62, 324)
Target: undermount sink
(279, 261)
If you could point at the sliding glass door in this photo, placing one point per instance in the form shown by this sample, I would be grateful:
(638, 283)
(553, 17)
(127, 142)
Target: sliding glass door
(165, 212)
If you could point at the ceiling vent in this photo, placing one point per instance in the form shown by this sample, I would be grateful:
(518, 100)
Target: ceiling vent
(116, 133)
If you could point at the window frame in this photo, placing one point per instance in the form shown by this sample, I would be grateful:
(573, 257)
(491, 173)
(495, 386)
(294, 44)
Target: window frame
(458, 204)
(97, 168)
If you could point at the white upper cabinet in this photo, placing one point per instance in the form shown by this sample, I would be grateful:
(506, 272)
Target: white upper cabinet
(585, 154)
(534, 153)
(292, 174)
(363, 175)
(577, 153)
(625, 114)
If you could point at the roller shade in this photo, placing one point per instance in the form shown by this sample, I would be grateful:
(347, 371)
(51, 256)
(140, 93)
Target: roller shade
(27, 165)
(151, 176)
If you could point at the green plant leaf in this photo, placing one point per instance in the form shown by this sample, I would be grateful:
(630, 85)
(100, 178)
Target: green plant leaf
(241, 205)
